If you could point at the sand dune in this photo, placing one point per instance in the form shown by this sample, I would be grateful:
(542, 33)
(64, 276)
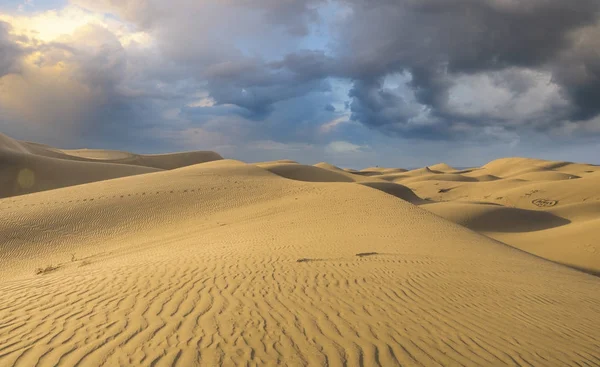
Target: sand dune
(420, 172)
(546, 176)
(440, 177)
(29, 167)
(160, 161)
(380, 171)
(228, 263)
(302, 172)
(442, 167)
(547, 208)
(328, 166)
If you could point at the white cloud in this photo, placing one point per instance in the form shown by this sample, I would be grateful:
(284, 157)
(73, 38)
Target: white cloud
(513, 95)
(344, 147)
(203, 102)
(54, 25)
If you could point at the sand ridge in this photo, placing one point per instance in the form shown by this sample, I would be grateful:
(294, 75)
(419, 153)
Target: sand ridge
(29, 167)
(229, 263)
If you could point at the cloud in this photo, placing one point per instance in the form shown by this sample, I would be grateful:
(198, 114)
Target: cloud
(441, 44)
(10, 51)
(235, 60)
(511, 98)
(344, 147)
(75, 87)
(461, 68)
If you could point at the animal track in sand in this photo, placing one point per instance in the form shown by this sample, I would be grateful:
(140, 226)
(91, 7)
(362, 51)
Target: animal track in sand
(15, 203)
(360, 254)
(590, 249)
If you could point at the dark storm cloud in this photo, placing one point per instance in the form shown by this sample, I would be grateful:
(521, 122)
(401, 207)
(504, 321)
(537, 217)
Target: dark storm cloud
(256, 85)
(578, 70)
(309, 64)
(258, 101)
(462, 35)
(389, 111)
(205, 39)
(294, 15)
(436, 41)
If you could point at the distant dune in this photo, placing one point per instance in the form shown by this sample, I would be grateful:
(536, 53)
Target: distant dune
(160, 161)
(111, 258)
(29, 167)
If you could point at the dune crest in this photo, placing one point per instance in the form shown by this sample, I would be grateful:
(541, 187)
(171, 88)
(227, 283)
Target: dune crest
(443, 167)
(160, 161)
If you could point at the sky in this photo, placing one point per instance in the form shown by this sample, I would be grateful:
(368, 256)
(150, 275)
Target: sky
(356, 83)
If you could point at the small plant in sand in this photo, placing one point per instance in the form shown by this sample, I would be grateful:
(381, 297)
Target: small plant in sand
(48, 269)
(365, 254)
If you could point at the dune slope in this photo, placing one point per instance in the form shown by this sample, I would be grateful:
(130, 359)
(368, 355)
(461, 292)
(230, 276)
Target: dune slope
(29, 167)
(225, 263)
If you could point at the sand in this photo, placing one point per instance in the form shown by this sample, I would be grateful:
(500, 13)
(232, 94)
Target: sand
(277, 263)
(29, 167)
(550, 209)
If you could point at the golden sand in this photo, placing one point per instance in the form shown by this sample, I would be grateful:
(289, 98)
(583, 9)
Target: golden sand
(109, 258)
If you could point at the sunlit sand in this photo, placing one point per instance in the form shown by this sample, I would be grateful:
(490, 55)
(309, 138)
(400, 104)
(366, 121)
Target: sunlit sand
(110, 258)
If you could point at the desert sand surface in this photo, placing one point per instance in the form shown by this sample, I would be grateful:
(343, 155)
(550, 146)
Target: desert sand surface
(188, 259)
(548, 208)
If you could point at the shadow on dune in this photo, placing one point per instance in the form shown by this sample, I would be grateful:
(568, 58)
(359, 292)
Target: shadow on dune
(305, 173)
(593, 272)
(366, 173)
(22, 173)
(399, 191)
(502, 219)
(494, 218)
